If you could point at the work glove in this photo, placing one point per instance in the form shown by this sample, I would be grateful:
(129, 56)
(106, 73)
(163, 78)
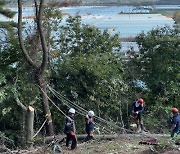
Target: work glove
(87, 117)
(137, 112)
(73, 134)
(91, 134)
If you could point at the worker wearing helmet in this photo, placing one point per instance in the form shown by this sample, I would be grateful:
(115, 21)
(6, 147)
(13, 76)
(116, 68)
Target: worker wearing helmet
(89, 126)
(137, 110)
(175, 128)
(70, 129)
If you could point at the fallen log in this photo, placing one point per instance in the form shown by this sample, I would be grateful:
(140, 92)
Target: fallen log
(82, 136)
(110, 136)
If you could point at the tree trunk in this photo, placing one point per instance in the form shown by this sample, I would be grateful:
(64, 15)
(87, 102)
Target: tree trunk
(38, 69)
(45, 105)
(30, 124)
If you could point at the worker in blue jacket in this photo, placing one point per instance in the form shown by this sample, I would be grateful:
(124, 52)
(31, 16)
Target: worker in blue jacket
(137, 110)
(175, 128)
(89, 126)
(70, 130)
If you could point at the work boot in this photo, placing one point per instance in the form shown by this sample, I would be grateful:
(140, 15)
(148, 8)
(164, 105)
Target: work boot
(138, 129)
(142, 128)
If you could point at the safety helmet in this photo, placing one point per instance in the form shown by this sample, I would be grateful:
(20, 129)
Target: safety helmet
(140, 100)
(174, 110)
(91, 113)
(71, 110)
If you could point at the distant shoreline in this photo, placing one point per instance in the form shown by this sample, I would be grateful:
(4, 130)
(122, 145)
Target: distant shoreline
(110, 4)
(31, 5)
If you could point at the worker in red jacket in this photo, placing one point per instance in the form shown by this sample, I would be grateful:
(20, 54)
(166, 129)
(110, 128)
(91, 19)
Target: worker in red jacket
(70, 130)
(137, 110)
(175, 127)
(89, 126)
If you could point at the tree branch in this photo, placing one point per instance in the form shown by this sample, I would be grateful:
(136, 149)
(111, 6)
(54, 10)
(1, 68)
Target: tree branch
(29, 60)
(42, 38)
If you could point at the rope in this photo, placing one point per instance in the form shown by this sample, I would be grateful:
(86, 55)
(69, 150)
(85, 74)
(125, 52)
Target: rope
(41, 127)
(66, 103)
(61, 98)
(79, 107)
(83, 111)
(95, 116)
(55, 104)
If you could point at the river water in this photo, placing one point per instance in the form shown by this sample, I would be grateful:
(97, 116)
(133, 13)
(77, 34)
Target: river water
(117, 19)
(127, 21)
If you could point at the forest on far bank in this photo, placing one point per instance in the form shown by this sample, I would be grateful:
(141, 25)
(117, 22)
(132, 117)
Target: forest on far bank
(79, 66)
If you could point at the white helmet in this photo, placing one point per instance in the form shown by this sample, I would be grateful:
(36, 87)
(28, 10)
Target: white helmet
(91, 113)
(71, 110)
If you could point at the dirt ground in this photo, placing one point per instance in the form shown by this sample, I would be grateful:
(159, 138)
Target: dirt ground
(125, 145)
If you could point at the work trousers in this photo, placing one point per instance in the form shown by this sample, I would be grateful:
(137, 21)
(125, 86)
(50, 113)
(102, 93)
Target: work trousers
(87, 138)
(69, 138)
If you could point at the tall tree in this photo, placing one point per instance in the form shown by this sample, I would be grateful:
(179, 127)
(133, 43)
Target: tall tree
(38, 65)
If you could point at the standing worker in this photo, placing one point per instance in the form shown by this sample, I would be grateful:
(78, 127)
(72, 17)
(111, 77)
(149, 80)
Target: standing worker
(137, 110)
(89, 126)
(175, 128)
(70, 129)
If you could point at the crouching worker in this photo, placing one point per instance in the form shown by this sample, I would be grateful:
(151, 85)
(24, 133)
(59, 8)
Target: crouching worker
(70, 129)
(175, 128)
(137, 110)
(89, 126)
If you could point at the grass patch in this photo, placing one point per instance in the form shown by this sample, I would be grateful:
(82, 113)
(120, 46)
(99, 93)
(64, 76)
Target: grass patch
(114, 147)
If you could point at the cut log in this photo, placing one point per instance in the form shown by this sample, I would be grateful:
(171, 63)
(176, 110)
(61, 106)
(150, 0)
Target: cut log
(30, 123)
